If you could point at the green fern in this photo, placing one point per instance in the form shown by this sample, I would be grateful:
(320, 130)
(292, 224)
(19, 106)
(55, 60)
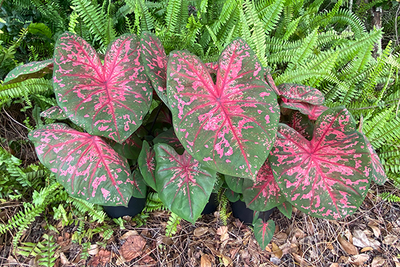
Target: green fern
(389, 197)
(86, 207)
(172, 225)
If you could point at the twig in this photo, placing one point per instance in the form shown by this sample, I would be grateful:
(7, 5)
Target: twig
(15, 120)
(395, 25)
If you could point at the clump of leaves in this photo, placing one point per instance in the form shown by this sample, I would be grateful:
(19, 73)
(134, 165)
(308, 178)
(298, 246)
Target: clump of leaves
(276, 145)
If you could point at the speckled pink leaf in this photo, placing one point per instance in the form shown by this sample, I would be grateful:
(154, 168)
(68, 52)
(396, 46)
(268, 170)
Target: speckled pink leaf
(139, 185)
(54, 113)
(109, 99)
(301, 93)
(229, 126)
(169, 137)
(263, 194)
(183, 183)
(85, 165)
(130, 148)
(35, 69)
(328, 176)
(147, 164)
(263, 232)
(286, 209)
(268, 78)
(301, 124)
(378, 174)
(212, 67)
(312, 111)
(155, 62)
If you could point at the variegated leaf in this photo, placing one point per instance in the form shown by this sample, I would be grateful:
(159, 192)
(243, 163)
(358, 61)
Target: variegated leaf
(312, 111)
(263, 194)
(109, 99)
(130, 148)
(54, 113)
(328, 176)
(263, 232)
(169, 137)
(85, 165)
(229, 126)
(301, 93)
(302, 124)
(35, 69)
(147, 164)
(378, 174)
(235, 183)
(155, 62)
(286, 209)
(183, 183)
(139, 185)
(268, 78)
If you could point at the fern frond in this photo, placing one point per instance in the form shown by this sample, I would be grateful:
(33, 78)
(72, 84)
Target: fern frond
(387, 134)
(84, 206)
(346, 17)
(322, 20)
(177, 14)
(389, 197)
(93, 18)
(305, 50)
(172, 225)
(24, 89)
(270, 14)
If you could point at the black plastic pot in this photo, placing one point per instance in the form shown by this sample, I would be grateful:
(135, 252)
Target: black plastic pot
(211, 206)
(246, 215)
(135, 206)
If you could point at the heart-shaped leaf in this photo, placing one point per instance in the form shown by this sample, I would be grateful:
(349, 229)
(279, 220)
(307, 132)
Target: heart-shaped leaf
(229, 126)
(139, 185)
(235, 183)
(263, 194)
(169, 137)
(55, 113)
(286, 209)
(263, 232)
(35, 69)
(301, 93)
(130, 148)
(155, 62)
(302, 124)
(328, 176)
(147, 164)
(268, 78)
(312, 111)
(232, 196)
(183, 183)
(85, 165)
(109, 99)
(378, 174)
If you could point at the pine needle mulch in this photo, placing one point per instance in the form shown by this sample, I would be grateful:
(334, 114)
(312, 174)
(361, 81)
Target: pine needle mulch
(370, 237)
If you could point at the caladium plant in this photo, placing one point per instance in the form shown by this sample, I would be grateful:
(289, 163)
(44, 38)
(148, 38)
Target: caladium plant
(275, 146)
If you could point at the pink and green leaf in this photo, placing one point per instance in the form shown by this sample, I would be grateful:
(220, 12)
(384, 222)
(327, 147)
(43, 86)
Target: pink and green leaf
(35, 69)
(286, 209)
(212, 67)
(301, 93)
(147, 164)
(155, 63)
(312, 111)
(328, 176)
(183, 183)
(55, 113)
(229, 126)
(109, 99)
(302, 124)
(169, 137)
(263, 232)
(270, 81)
(139, 185)
(235, 183)
(130, 148)
(85, 165)
(378, 174)
(263, 194)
